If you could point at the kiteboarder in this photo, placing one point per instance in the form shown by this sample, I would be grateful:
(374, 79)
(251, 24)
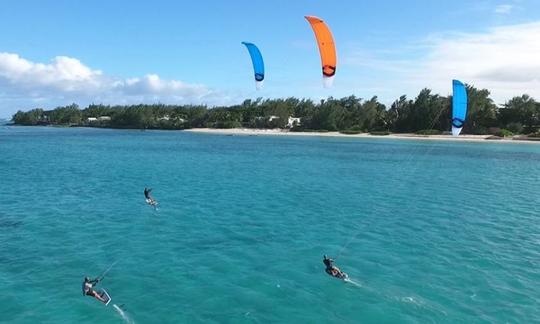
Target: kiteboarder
(149, 199)
(332, 270)
(88, 289)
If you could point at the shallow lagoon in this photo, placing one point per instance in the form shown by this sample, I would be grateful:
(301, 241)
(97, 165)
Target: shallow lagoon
(432, 231)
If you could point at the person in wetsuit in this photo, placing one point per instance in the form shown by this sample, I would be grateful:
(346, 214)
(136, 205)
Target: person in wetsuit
(149, 199)
(331, 269)
(147, 193)
(88, 289)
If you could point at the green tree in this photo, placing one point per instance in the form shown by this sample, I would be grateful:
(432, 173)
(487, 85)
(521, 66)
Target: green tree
(65, 115)
(398, 115)
(372, 115)
(482, 112)
(29, 118)
(524, 110)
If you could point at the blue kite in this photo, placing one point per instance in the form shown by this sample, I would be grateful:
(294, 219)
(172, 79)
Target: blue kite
(459, 107)
(258, 64)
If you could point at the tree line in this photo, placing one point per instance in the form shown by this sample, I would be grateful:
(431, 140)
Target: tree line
(427, 113)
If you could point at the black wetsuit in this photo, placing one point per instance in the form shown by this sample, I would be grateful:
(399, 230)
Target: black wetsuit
(329, 266)
(332, 270)
(147, 193)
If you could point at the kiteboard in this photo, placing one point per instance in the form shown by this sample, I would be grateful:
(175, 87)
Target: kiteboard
(151, 202)
(106, 297)
(342, 275)
(338, 274)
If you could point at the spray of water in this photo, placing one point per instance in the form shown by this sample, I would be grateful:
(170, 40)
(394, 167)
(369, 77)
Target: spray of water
(352, 282)
(123, 314)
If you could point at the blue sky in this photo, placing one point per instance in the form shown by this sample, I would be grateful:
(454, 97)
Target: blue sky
(58, 52)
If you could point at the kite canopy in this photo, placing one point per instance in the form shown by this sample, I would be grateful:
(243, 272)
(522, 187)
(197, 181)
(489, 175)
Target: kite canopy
(459, 106)
(327, 49)
(258, 64)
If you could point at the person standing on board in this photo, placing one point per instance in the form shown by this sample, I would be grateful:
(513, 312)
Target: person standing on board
(88, 289)
(149, 200)
(331, 269)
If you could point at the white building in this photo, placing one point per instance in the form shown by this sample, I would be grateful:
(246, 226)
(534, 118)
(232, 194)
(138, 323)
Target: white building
(292, 121)
(104, 118)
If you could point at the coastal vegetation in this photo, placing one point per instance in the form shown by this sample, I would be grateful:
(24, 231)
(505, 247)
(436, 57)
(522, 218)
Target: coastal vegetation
(427, 114)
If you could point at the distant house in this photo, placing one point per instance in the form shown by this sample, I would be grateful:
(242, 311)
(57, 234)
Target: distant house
(93, 120)
(43, 120)
(267, 121)
(168, 118)
(293, 122)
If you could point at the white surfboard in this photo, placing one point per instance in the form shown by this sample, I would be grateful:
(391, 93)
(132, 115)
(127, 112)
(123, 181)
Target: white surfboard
(105, 295)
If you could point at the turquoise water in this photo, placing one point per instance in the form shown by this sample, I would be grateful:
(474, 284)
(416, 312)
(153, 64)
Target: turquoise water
(431, 232)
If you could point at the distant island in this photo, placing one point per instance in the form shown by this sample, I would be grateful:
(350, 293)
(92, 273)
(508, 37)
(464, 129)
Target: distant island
(427, 114)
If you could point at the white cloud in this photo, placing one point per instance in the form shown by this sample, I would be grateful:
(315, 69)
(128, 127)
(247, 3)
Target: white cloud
(504, 9)
(62, 74)
(65, 80)
(504, 60)
(152, 84)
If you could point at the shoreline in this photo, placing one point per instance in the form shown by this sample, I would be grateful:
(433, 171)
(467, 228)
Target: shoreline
(286, 132)
(404, 136)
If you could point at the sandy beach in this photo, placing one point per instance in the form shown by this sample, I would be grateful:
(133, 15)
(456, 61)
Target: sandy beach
(283, 132)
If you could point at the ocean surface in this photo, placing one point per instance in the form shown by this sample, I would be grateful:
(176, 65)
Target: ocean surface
(429, 231)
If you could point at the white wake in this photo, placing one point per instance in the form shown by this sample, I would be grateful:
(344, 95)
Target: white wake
(123, 314)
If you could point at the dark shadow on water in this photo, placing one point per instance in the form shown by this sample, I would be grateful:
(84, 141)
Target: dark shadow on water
(6, 222)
